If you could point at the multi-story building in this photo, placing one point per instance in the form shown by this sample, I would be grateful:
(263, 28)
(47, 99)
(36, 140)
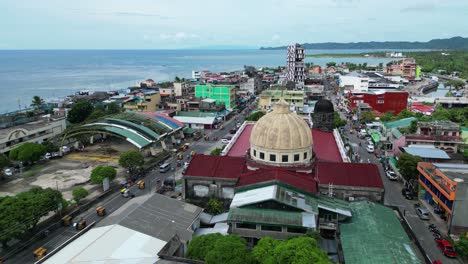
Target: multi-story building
(17, 129)
(354, 82)
(250, 86)
(443, 135)
(406, 68)
(181, 88)
(143, 101)
(315, 69)
(295, 64)
(389, 101)
(225, 94)
(446, 188)
(270, 97)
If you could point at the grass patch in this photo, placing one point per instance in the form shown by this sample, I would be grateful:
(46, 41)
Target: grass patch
(33, 170)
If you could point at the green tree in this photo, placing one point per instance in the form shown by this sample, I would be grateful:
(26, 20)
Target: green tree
(456, 83)
(216, 152)
(255, 116)
(407, 165)
(441, 114)
(50, 146)
(99, 173)
(80, 111)
(263, 251)
(132, 160)
(177, 79)
(332, 63)
(405, 114)
(301, 250)
(367, 116)
(413, 127)
(214, 207)
(230, 249)
(96, 114)
(201, 245)
(461, 246)
(338, 121)
(37, 101)
(28, 152)
(387, 117)
(79, 193)
(113, 108)
(4, 161)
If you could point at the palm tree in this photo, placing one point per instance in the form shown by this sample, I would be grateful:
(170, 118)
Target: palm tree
(37, 101)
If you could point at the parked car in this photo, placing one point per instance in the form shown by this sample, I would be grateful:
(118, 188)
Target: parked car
(225, 141)
(391, 175)
(362, 133)
(370, 148)
(8, 172)
(447, 248)
(423, 213)
(233, 131)
(407, 194)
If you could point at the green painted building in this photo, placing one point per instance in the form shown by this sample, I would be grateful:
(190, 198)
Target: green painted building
(418, 72)
(221, 93)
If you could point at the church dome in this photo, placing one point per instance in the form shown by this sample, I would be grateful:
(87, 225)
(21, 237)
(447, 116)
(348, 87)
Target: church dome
(323, 106)
(281, 136)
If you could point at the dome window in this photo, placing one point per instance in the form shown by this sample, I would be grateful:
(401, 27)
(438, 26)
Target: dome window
(272, 157)
(284, 158)
(296, 157)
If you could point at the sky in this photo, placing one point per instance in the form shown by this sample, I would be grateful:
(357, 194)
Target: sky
(182, 24)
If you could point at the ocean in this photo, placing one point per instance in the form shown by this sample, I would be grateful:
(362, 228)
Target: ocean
(53, 74)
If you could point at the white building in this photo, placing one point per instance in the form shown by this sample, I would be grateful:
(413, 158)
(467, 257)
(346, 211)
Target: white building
(248, 86)
(295, 64)
(357, 81)
(181, 88)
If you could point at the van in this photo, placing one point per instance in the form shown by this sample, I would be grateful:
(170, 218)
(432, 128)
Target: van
(164, 168)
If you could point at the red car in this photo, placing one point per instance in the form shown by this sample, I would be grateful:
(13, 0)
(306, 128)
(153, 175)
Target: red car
(447, 248)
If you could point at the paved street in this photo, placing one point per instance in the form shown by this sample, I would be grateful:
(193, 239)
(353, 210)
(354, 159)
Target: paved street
(393, 197)
(115, 200)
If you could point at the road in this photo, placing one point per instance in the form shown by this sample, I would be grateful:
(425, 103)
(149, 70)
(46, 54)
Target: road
(393, 197)
(115, 200)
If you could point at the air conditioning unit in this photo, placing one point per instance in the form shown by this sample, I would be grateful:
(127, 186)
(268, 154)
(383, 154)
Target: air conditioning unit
(351, 199)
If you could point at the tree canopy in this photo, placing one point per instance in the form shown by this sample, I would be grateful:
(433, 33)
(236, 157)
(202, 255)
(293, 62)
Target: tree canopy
(113, 108)
(131, 160)
(4, 161)
(367, 116)
(387, 117)
(405, 114)
(461, 246)
(79, 193)
(37, 101)
(214, 207)
(22, 212)
(255, 116)
(338, 121)
(216, 248)
(407, 165)
(28, 152)
(216, 152)
(96, 114)
(80, 111)
(99, 173)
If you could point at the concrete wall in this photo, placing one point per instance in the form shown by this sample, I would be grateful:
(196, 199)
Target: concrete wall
(259, 233)
(344, 192)
(460, 214)
(215, 186)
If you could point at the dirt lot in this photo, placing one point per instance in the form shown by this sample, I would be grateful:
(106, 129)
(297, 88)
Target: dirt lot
(66, 173)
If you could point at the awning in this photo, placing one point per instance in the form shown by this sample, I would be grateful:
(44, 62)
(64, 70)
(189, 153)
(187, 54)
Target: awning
(375, 138)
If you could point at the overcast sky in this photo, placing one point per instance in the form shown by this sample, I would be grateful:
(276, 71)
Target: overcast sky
(163, 24)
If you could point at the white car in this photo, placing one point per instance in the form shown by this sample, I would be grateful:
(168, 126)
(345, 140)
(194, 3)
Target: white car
(370, 148)
(362, 132)
(225, 141)
(8, 172)
(391, 175)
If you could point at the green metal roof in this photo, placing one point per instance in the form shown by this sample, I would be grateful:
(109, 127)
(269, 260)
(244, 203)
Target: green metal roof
(130, 136)
(374, 235)
(396, 133)
(405, 122)
(133, 125)
(196, 114)
(263, 216)
(375, 137)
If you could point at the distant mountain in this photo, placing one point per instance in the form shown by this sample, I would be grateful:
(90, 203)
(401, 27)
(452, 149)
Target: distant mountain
(451, 43)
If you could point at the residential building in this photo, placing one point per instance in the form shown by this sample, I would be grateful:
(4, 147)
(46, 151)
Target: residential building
(390, 101)
(427, 153)
(315, 69)
(444, 135)
(181, 89)
(143, 101)
(269, 97)
(225, 94)
(197, 119)
(406, 68)
(452, 102)
(314, 92)
(295, 64)
(446, 188)
(250, 86)
(17, 128)
(167, 92)
(354, 82)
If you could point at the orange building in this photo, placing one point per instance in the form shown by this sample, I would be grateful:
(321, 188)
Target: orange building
(446, 188)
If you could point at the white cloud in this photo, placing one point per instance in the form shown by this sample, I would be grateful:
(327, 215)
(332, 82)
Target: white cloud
(177, 36)
(275, 37)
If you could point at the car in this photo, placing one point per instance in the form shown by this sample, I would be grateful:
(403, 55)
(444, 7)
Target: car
(369, 141)
(446, 248)
(233, 131)
(47, 155)
(8, 172)
(370, 148)
(423, 213)
(362, 132)
(391, 175)
(225, 141)
(407, 194)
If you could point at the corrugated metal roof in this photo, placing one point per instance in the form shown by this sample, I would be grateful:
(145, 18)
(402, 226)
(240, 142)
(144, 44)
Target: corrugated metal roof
(405, 122)
(274, 217)
(427, 152)
(196, 120)
(375, 235)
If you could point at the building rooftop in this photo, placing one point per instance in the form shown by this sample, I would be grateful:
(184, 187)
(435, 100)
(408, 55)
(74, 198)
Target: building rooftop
(275, 217)
(405, 122)
(348, 174)
(242, 144)
(325, 146)
(374, 235)
(453, 171)
(429, 152)
(215, 166)
(32, 125)
(301, 181)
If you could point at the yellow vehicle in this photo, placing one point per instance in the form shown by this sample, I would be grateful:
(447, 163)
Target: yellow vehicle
(141, 184)
(193, 153)
(101, 211)
(40, 253)
(66, 220)
(180, 156)
(81, 224)
(123, 190)
(184, 147)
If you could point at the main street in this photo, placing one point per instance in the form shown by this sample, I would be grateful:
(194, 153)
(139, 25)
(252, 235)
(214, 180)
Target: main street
(116, 200)
(393, 197)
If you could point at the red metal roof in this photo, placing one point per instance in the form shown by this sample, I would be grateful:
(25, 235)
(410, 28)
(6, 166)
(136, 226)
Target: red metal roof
(301, 181)
(325, 146)
(242, 143)
(348, 174)
(215, 166)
